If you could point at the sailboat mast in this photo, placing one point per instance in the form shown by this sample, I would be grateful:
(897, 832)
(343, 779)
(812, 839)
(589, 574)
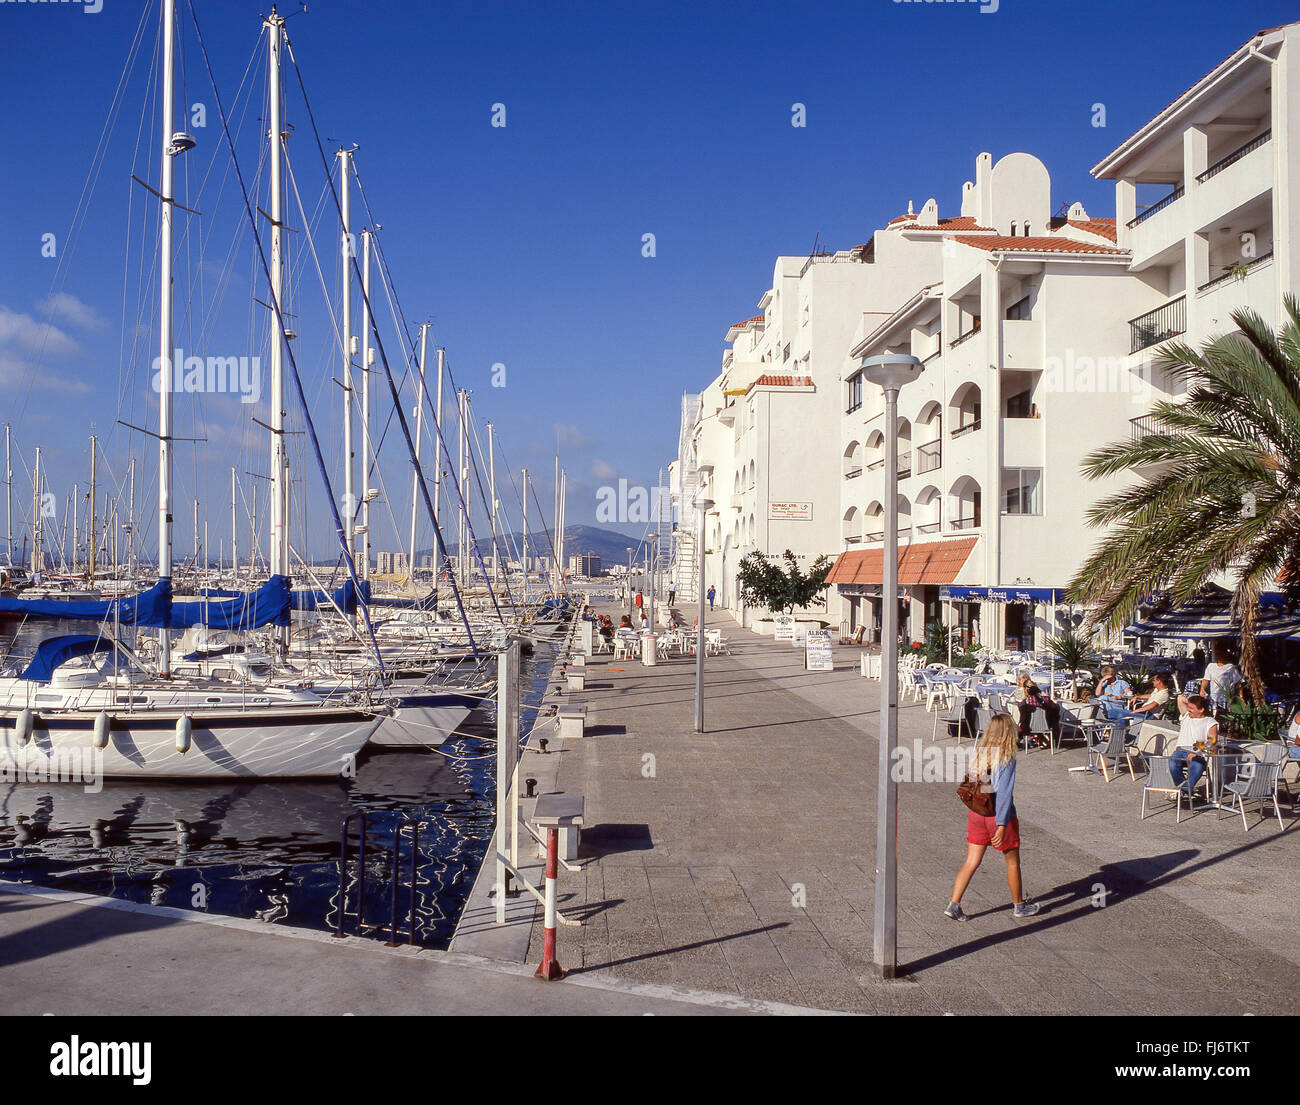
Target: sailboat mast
(36, 514)
(419, 433)
(345, 211)
(524, 471)
(130, 518)
(165, 366)
(462, 562)
(94, 453)
(366, 357)
(492, 492)
(437, 459)
(9, 496)
(279, 552)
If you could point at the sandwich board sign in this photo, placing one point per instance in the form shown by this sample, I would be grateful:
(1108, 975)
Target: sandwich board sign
(817, 651)
(784, 624)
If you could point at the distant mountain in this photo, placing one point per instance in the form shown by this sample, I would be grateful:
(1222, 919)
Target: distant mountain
(610, 545)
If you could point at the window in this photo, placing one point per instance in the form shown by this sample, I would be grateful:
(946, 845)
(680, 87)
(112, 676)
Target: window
(855, 394)
(1019, 309)
(785, 355)
(1022, 491)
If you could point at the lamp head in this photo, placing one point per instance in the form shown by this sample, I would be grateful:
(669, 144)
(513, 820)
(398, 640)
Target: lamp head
(892, 370)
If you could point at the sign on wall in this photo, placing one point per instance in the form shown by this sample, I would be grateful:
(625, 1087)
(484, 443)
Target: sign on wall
(817, 651)
(789, 512)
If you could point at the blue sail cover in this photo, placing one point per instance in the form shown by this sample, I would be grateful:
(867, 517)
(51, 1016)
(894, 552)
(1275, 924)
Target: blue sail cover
(57, 650)
(149, 608)
(268, 605)
(345, 598)
(155, 609)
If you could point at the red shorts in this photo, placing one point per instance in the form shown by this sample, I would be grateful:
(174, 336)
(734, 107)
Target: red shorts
(980, 830)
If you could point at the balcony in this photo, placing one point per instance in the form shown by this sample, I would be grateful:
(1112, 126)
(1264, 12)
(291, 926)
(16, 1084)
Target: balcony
(853, 473)
(905, 465)
(1144, 427)
(965, 337)
(929, 456)
(852, 540)
(964, 429)
(1159, 325)
(876, 464)
(965, 523)
(1157, 207)
(929, 527)
(874, 535)
(1233, 158)
(1236, 273)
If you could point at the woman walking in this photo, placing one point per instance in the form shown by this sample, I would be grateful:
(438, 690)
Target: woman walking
(995, 759)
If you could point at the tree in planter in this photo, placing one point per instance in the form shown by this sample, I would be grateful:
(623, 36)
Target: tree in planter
(1071, 648)
(764, 583)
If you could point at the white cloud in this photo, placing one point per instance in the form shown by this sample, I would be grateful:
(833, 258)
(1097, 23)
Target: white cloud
(20, 332)
(603, 470)
(572, 437)
(68, 309)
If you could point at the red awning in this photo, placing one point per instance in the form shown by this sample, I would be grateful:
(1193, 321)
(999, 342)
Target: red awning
(932, 562)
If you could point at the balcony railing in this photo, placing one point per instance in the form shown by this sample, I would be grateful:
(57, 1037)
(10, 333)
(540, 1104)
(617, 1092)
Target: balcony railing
(1159, 205)
(905, 465)
(854, 407)
(929, 527)
(965, 337)
(1235, 156)
(963, 523)
(876, 464)
(1146, 426)
(874, 535)
(853, 473)
(965, 428)
(852, 540)
(929, 456)
(1159, 325)
(1236, 272)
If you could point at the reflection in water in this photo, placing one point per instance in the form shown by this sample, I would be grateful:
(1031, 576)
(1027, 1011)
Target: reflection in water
(269, 850)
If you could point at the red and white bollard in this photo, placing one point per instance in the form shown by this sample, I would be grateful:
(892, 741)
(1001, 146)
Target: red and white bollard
(550, 970)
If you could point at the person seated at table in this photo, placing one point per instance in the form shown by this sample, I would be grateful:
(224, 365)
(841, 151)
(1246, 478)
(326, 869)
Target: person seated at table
(645, 622)
(1114, 692)
(1151, 705)
(1023, 683)
(1195, 726)
(625, 622)
(1036, 699)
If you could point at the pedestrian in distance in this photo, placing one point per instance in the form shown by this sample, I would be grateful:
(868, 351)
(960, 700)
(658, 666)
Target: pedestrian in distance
(712, 594)
(672, 592)
(995, 761)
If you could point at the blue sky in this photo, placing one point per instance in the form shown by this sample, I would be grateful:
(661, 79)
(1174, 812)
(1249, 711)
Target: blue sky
(523, 244)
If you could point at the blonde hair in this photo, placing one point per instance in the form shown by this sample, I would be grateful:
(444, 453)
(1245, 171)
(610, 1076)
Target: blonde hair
(997, 744)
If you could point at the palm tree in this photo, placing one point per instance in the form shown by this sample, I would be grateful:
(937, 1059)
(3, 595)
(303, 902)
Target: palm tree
(1220, 494)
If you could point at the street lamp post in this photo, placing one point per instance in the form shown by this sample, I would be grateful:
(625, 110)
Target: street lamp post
(652, 559)
(704, 506)
(629, 583)
(890, 373)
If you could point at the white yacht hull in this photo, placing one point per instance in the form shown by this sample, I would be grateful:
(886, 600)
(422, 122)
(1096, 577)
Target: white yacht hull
(303, 742)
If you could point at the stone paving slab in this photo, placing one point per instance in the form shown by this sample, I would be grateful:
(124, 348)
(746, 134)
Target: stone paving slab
(752, 870)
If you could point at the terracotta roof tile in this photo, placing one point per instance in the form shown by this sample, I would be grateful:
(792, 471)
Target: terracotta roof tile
(931, 562)
(964, 222)
(783, 382)
(1104, 228)
(1041, 245)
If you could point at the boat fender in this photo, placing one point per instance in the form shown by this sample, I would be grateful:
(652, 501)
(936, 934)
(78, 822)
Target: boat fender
(23, 726)
(184, 730)
(103, 725)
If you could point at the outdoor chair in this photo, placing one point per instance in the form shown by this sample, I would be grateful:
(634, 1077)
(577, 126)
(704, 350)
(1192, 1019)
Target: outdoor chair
(935, 691)
(1115, 750)
(1256, 779)
(982, 718)
(1070, 724)
(1038, 727)
(1160, 778)
(956, 715)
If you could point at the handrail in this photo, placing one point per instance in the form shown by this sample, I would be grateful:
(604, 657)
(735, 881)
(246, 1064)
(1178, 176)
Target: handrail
(1166, 321)
(1159, 205)
(1235, 156)
(1231, 275)
(964, 337)
(965, 428)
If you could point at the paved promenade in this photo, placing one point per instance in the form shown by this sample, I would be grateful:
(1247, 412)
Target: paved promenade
(741, 861)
